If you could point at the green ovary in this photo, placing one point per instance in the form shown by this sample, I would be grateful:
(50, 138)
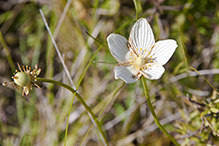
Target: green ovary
(22, 79)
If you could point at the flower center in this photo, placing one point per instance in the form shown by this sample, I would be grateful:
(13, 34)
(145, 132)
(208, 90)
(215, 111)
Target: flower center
(140, 61)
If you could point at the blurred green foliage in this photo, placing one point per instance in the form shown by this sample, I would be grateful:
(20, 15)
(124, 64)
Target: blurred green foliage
(40, 118)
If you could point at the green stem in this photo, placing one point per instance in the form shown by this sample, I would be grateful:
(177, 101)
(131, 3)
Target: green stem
(69, 112)
(183, 50)
(204, 78)
(7, 52)
(154, 114)
(136, 9)
(117, 90)
(88, 109)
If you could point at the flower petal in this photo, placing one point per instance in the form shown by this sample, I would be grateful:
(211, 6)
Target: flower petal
(126, 73)
(142, 36)
(163, 50)
(117, 46)
(153, 71)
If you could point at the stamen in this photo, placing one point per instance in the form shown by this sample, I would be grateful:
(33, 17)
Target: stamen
(14, 77)
(128, 45)
(17, 87)
(5, 84)
(19, 67)
(23, 68)
(151, 49)
(141, 48)
(132, 48)
(130, 62)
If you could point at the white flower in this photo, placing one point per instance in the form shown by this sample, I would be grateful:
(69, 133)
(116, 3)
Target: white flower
(140, 55)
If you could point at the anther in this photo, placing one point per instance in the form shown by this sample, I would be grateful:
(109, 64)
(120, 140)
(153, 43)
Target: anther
(5, 84)
(23, 68)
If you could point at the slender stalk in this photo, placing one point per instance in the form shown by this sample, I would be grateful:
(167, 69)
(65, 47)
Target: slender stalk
(136, 8)
(7, 52)
(204, 78)
(88, 109)
(69, 112)
(209, 124)
(100, 118)
(154, 114)
(183, 50)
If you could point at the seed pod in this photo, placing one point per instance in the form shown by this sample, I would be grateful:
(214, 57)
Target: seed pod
(22, 79)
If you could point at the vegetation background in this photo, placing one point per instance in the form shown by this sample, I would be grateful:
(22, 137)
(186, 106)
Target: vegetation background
(184, 102)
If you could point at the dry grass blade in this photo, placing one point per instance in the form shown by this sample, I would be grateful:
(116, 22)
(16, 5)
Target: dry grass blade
(57, 50)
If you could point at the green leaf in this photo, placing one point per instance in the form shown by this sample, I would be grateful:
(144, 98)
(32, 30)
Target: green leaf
(214, 110)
